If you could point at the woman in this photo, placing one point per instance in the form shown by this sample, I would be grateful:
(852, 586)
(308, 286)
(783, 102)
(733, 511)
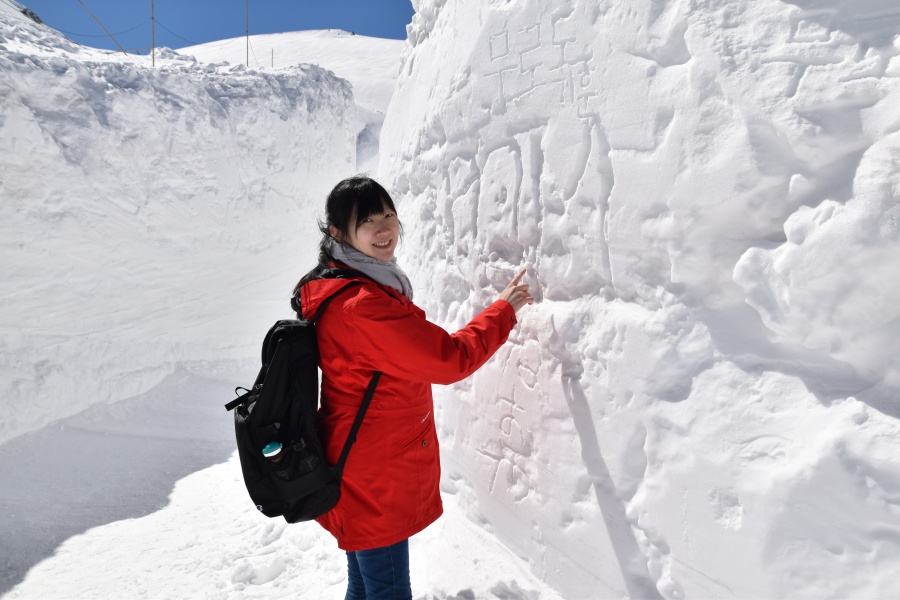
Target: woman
(390, 481)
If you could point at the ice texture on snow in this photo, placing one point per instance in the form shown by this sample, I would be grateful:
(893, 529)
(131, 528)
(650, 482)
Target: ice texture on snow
(832, 286)
(148, 213)
(703, 403)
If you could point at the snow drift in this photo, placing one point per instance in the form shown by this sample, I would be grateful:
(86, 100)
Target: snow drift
(146, 213)
(704, 402)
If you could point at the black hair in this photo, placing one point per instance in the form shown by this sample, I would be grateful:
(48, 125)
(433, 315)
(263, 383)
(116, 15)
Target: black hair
(360, 193)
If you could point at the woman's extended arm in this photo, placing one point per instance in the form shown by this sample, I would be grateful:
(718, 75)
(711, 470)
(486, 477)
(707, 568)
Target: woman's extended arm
(399, 341)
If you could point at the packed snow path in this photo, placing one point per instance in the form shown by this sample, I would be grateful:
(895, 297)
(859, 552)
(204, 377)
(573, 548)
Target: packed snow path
(106, 464)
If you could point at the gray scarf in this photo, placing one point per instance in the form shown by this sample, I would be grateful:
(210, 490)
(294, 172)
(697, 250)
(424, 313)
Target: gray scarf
(386, 273)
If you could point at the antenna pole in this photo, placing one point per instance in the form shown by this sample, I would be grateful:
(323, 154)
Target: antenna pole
(152, 32)
(248, 34)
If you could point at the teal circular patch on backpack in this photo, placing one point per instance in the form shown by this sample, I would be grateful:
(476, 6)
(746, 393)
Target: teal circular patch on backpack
(272, 449)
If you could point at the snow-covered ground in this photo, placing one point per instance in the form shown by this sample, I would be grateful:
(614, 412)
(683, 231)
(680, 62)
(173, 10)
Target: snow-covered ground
(165, 524)
(702, 404)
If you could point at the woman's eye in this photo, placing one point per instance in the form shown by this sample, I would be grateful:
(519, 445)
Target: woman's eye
(389, 215)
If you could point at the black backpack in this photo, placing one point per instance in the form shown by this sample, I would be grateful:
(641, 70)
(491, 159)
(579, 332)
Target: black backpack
(276, 426)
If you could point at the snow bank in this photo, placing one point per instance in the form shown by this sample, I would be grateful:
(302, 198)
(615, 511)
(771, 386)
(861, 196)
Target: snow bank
(147, 213)
(704, 401)
(370, 64)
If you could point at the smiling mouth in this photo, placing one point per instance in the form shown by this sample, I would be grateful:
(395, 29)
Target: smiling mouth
(382, 244)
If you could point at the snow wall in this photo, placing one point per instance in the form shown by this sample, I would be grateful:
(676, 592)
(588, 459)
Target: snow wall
(703, 403)
(147, 213)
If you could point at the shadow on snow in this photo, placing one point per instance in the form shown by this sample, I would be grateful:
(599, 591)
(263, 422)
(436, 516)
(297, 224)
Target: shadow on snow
(108, 463)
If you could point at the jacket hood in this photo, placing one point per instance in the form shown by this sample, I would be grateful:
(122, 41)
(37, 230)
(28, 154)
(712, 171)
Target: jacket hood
(314, 293)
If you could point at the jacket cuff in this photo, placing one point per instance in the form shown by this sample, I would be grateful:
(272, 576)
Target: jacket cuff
(507, 310)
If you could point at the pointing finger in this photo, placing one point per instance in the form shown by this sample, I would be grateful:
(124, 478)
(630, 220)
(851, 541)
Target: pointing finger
(516, 279)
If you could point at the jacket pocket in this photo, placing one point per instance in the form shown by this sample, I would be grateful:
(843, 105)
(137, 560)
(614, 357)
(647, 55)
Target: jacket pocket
(421, 434)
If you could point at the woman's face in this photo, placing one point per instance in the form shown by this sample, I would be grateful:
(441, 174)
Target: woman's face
(377, 236)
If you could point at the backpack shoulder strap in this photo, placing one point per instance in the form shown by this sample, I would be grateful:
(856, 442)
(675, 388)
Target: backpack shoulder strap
(338, 469)
(333, 273)
(328, 300)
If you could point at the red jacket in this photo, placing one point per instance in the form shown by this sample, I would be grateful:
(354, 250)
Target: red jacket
(390, 486)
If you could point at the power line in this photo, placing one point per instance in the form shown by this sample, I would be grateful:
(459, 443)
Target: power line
(28, 13)
(102, 27)
(173, 33)
(12, 6)
(129, 30)
(17, 9)
(87, 35)
(25, 11)
(258, 66)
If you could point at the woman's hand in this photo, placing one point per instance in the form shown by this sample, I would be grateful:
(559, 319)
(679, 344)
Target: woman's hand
(517, 293)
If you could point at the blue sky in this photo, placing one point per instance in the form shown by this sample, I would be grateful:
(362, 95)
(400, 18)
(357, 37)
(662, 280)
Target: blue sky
(182, 23)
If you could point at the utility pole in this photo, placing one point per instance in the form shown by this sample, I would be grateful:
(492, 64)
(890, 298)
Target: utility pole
(152, 33)
(248, 34)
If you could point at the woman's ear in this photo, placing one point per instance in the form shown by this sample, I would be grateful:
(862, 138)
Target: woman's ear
(334, 232)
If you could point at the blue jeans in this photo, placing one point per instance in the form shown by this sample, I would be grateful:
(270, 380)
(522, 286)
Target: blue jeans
(379, 574)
